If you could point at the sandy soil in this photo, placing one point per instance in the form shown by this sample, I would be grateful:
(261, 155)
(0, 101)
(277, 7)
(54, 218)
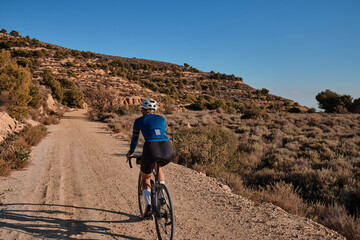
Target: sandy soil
(78, 186)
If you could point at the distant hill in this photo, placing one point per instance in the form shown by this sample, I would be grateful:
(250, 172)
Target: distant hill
(184, 86)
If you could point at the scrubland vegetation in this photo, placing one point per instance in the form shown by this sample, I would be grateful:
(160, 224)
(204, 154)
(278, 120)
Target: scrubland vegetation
(308, 164)
(15, 149)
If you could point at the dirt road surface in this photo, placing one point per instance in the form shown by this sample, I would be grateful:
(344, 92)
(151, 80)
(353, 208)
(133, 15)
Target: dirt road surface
(78, 186)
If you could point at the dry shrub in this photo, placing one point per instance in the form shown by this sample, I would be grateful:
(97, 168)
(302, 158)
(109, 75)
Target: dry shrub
(263, 177)
(283, 195)
(115, 127)
(250, 147)
(5, 168)
(106, 100)
(293, 146)
(207, 119)
(169, 109)
(21, 143)
(16, 152)
(347, 148)
(213, 147)
(199, 168)
(35, 114)
(315, 184)
(276, 137)
(48, 120)
(236, 184)
(13, 156)
(92, 114)
(33, 135)
(108, 117)
(336, 217)
(5, 98)
(16, 157)
(253, 113)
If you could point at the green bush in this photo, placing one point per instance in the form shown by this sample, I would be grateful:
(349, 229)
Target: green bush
(252, 113)
(36, 97)
(64, 90)
(264, 91)
(332, 102)
(14, 33)
(294, 110)
(15, 80)
(311, 110)
(214, 148)
(55, 86)
(73, 97)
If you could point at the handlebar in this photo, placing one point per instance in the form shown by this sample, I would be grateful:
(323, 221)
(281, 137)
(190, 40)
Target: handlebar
(138, 159)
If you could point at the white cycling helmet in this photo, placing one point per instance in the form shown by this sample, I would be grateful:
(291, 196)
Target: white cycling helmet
(149, 104)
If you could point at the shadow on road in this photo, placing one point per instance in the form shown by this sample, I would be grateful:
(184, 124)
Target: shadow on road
(54, 221)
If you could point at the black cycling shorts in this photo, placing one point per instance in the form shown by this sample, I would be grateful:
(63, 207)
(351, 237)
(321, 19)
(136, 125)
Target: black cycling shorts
(161, 152)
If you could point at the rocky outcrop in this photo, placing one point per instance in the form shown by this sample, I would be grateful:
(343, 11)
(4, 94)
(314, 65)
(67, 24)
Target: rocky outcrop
(7, 125)
(50, 104)
(128, 101)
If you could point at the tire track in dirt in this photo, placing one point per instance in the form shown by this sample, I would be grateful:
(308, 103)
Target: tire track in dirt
(78, 186)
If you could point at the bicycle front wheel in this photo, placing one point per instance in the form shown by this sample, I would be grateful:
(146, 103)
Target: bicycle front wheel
(164, 216)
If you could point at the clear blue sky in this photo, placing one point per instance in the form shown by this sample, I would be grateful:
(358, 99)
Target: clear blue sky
(295, 48)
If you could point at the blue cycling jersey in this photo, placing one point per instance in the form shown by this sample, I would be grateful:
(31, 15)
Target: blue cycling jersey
(152, 127)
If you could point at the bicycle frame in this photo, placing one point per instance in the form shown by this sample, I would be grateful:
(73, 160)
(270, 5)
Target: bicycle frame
(162, 206)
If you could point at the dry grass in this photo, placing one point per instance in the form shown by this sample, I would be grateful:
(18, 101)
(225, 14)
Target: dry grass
(283, 195)
(16, 149)
(33, 135)
(336, 217)
(35, 114)
(51, 117)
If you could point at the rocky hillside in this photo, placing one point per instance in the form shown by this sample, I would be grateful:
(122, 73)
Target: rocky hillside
(131, 78)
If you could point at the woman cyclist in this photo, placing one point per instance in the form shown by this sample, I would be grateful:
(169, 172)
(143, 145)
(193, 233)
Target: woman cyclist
(157, 147)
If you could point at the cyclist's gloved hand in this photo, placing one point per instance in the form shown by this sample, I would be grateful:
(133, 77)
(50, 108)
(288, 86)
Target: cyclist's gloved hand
(128, 156)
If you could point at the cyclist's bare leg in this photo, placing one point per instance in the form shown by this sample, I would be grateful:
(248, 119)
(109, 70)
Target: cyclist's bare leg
(145, 180)
(160, 173)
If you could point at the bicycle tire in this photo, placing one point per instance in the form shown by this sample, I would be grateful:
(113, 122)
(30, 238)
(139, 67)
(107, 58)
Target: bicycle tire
(141, 200)
(165, 216)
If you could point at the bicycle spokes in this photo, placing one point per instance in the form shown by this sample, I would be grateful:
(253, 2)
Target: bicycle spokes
(165, 219)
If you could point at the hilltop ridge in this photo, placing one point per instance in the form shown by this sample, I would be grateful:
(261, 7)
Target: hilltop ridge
(131, 77)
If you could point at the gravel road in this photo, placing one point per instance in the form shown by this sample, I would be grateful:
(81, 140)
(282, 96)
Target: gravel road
(79, 186)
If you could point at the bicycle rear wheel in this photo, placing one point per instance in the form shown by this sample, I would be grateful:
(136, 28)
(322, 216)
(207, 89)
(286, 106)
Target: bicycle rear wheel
(141, 200)
(164, 217)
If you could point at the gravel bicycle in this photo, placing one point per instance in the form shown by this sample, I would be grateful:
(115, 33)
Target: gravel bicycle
(163, 209)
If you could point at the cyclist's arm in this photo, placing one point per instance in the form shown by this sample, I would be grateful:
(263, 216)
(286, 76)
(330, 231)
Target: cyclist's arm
(135, 137)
